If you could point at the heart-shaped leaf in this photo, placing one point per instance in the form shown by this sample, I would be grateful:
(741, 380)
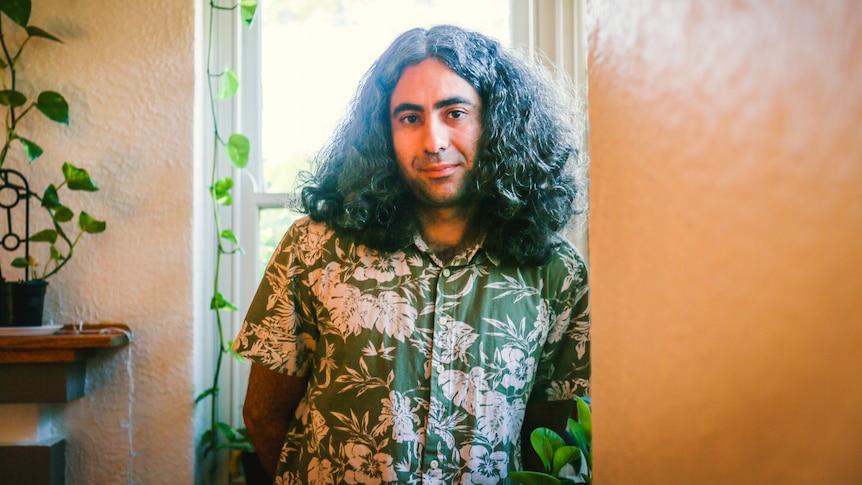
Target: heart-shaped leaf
(54, 106)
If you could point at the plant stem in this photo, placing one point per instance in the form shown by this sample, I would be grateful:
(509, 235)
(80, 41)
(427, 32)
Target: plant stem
(217, 226)
(214, 395)
(11, 122)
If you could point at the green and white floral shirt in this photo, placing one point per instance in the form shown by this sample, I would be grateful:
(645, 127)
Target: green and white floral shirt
(419, 372)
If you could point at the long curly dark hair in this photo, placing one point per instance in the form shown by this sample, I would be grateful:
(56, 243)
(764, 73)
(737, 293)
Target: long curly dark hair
(524, 189)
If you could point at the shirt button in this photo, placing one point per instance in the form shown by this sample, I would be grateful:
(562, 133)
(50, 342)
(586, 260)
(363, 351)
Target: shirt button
(446, 272)
(440, 369)
(434, 464)
(443, 320)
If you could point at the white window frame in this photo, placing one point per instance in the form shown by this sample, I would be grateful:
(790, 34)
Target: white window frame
(555, 28)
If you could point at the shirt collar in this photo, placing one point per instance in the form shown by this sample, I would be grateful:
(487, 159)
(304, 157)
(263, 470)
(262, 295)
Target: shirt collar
(471, 254)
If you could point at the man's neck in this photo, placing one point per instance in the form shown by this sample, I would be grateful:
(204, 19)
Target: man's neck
(447, 230)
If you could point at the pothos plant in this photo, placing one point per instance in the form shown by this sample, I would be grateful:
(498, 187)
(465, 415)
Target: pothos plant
(60, 239)
(566, 460)
(222, 85)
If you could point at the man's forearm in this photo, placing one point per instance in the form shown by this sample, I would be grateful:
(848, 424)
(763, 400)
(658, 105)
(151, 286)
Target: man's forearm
(268, 440)
(270, 404)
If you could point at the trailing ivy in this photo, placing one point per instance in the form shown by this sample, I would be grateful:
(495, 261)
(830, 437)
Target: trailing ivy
(223, 85)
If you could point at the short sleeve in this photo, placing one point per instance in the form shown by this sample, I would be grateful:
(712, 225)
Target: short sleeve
(564, 367)
(277, 331)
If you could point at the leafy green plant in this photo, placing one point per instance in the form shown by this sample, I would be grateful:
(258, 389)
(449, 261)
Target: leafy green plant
(564, 462)
(53, 106)
(222, 85)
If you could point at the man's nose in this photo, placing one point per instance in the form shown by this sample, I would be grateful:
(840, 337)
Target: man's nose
(436, 135)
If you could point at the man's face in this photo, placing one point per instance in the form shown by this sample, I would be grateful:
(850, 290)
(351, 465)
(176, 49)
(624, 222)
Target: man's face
(436, 123)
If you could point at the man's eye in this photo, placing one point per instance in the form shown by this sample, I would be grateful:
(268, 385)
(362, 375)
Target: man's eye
(410, 119)
(457, 114)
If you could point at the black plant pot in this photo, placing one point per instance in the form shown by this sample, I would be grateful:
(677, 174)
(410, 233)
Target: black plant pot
(21, 303)
(254, 471)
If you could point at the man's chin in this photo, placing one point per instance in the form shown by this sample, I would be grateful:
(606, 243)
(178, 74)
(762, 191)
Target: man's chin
(451, 201)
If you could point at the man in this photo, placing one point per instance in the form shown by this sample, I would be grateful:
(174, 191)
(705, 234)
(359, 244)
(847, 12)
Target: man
(427, 315)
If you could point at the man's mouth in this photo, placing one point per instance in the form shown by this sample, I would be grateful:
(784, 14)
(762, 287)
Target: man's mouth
(439, 170)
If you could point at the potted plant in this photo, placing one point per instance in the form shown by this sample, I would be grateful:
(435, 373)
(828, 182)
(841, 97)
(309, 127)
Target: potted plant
(566, 459)
(23, 282)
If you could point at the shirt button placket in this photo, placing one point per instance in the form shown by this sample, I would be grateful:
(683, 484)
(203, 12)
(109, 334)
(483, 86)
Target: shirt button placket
(442, 321)
(433, 440)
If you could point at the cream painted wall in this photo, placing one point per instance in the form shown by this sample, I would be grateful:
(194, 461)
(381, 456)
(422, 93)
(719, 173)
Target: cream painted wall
(127, 69)
(726, 241)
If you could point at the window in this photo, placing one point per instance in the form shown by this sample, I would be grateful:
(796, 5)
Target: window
(300, 64)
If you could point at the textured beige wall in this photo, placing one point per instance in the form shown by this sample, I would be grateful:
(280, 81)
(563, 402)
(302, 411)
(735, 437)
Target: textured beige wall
(726, 241)
(127, 69)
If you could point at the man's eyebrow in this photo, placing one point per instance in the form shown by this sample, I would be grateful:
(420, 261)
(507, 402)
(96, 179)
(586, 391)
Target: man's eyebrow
(406, 107)
(453, 101)
(439, 104)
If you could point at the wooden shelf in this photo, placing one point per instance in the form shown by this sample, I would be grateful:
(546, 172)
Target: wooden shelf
(67, 345)
(52, 368)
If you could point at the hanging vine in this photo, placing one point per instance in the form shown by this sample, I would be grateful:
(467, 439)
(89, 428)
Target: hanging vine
(222, 85)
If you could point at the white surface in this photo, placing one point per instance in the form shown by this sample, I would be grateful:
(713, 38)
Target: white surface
(29, 331)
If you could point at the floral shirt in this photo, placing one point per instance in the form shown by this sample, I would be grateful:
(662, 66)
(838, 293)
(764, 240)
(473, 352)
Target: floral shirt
(419, 372)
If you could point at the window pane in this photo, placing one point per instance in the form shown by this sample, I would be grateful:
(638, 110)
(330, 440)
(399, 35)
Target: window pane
(315, 52)
(273, 224)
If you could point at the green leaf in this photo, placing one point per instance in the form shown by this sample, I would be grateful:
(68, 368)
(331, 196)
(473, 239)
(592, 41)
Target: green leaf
(230, 236)
(541, 439)
(226, 430)
(580, 439)
(219, 303)
(209, 392)
(37, 32)
(33, 150)
(223, 185)
(236, 354)
(565, 455)
(571, 424)
(78, 178)
(221, 191)
(17, 10)
(238, 148)
(228, 84)
(555, 439)
(47, 235)
(533, 478)
(63, 214)
(90, 225)
(247, 9)
(12, 98)
(23, 263)
(586, 419)
(55, 253)
(50, 199)
(54, 106)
